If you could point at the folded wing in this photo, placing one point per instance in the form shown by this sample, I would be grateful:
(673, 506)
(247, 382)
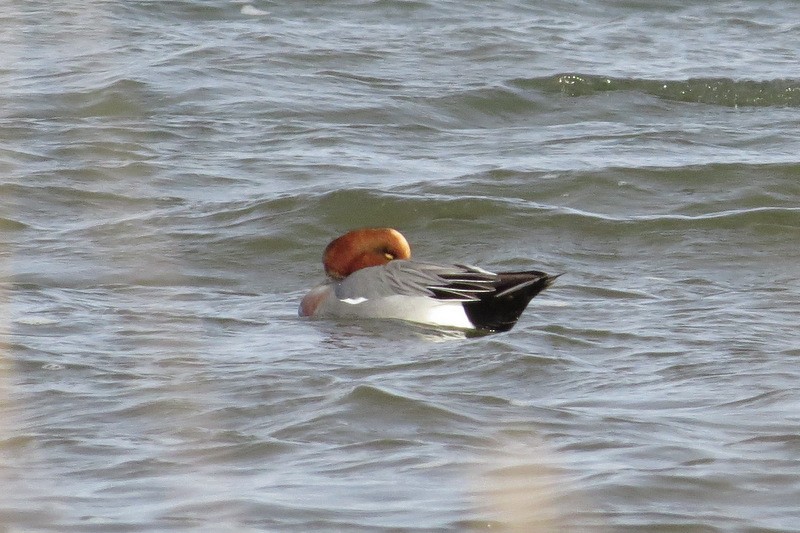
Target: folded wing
(492, 301)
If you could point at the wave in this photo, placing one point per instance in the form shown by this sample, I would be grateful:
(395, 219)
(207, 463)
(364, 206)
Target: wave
(10, 224)
(714, 91)
(482, 205)
(109, 238)
(778, 216)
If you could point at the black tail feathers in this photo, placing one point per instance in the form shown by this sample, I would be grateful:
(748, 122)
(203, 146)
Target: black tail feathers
(499, 310)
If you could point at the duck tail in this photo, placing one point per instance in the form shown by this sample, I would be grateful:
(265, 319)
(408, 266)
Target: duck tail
(499, 310)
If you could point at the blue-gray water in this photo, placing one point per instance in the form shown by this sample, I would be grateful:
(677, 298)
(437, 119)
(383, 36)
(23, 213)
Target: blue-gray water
(169, 175)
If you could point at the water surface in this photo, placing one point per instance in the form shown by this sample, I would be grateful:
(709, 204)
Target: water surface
(171, 171)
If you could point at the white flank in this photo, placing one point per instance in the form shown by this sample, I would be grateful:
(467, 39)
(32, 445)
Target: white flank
(451, 315)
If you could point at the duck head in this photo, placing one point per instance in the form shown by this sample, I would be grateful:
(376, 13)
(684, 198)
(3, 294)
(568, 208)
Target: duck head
(363, 248)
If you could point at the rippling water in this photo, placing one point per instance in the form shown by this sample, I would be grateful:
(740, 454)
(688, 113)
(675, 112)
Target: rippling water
(170, 172)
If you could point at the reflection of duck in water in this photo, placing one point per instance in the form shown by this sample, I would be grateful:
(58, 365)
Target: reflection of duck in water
(372, 276)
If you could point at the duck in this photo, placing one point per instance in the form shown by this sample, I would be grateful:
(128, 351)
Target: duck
(370, 274)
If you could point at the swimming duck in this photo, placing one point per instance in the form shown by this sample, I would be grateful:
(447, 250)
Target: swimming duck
(371, 275)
